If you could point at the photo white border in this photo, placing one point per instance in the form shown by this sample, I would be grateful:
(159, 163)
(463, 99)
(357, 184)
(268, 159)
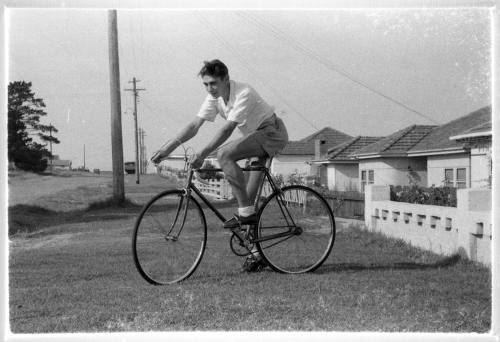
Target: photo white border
(265, 5)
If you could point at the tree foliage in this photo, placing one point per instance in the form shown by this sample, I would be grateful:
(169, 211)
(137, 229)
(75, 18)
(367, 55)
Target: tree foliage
(24, 113)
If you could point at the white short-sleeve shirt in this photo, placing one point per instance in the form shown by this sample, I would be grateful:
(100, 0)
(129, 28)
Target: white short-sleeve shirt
(245, 106)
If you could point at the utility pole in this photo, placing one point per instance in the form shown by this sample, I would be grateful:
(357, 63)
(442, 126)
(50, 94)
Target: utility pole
(83, 157)
(136, 95)
(50, 141)
(144, 158)
(139, 134)
(116, 121)
(143, 151)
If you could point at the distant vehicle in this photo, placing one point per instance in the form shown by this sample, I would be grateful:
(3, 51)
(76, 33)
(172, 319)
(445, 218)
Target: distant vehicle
(130, 167)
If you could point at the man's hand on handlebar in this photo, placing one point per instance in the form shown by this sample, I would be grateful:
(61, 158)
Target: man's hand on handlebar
(157, 157)
(197, 161)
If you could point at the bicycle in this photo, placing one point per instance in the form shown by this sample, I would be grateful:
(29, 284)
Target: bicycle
(295, 233)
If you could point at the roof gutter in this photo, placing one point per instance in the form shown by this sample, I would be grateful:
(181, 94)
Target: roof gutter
(451, 150)
(330, 161)
(380, 155)
(471, 135)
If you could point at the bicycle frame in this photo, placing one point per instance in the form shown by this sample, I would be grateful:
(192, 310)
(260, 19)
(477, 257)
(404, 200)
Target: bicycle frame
(191, 187)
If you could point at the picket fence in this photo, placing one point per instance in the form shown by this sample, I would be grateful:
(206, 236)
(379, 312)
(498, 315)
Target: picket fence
(348, 204)
(220, 189)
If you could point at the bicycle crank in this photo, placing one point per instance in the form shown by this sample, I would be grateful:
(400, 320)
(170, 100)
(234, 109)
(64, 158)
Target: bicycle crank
(240, 247)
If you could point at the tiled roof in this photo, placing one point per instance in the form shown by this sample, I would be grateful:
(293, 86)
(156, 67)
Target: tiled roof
(482, 128)
(305, 146)
(299, 148)
(397, 143)
(330, 135)
(439, 139)
(345, 151)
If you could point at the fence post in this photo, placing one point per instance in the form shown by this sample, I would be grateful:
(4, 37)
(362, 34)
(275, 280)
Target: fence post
(374, 193)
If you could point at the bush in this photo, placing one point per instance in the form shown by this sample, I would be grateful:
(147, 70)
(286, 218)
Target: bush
(210, 173)
(443, 196)
(31, 159)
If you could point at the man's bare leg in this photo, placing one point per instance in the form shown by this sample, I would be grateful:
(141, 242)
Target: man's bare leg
(254, 179)
(227, 156)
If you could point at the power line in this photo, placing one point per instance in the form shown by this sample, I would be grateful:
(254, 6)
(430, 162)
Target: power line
(247, 66)
(162, 118)
(282, 36)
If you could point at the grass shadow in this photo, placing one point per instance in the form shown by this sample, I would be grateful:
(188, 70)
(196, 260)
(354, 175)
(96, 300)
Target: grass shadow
(356, 267)
(28, 219)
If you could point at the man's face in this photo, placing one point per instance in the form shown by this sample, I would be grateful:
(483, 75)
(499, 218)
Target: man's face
(216, 86)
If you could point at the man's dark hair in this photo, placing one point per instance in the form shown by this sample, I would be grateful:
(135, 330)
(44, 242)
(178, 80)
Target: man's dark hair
(214, 68)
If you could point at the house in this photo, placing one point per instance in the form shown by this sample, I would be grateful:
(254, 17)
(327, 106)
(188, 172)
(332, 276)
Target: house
(59, 164)
(296, 156)
(386, 161)
(452, 148)
(342, 166)
(478, 140)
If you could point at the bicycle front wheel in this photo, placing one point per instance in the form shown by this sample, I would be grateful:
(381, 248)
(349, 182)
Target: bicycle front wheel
(296, 231)
(169, 238)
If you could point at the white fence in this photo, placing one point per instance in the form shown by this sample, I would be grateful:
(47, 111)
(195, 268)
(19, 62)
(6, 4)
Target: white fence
(220, 189)
(298, 196)
(446, 230)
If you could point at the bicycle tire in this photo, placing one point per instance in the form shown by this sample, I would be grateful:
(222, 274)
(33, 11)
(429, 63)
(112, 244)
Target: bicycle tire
(161, 258)
(304, 251)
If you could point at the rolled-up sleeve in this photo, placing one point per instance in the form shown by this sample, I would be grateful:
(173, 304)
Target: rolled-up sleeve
(209, 109)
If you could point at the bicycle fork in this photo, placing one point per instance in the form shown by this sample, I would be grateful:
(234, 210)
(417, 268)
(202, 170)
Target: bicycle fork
(174, 237)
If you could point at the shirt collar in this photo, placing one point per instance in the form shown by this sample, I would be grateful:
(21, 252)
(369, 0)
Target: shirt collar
(232, 87)
(230, 101)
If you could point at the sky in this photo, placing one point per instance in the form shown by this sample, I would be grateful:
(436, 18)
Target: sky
(360, 71)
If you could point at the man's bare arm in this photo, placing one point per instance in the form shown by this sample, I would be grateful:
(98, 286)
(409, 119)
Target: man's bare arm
(185, 134)
(220, 137)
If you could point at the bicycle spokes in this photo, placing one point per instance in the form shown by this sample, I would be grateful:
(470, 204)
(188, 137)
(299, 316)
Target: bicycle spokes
(296, 230)
(169, 238)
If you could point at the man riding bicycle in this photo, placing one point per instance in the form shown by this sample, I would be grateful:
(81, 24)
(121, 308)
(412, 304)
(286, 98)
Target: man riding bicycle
(264, 135)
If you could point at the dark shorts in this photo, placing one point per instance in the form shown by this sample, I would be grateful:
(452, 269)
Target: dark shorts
(271, 135)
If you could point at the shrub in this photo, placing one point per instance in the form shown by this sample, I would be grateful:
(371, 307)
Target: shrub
(443, 196)
(209, 172)
(31, 159)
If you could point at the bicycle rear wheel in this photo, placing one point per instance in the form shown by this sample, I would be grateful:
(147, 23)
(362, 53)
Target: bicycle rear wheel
(307, 225)
(169, 238)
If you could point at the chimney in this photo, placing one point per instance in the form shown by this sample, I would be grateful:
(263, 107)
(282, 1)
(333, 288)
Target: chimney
(319, 149)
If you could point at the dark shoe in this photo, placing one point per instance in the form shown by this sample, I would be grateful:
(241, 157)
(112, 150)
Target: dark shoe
(236, 221)
(253, 264)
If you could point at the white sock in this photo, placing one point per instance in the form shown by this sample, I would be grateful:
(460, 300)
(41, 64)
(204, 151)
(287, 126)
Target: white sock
(246, 211)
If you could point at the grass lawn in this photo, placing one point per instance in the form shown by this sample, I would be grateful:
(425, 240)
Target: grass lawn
(75, 273)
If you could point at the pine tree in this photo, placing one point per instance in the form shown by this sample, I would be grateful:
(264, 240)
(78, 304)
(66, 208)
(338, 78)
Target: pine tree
(24, 113)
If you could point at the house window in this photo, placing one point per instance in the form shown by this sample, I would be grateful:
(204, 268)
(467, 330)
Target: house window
(448, 177)
(455, 178)
(367, 177)
(371, 176)
(461, 178)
